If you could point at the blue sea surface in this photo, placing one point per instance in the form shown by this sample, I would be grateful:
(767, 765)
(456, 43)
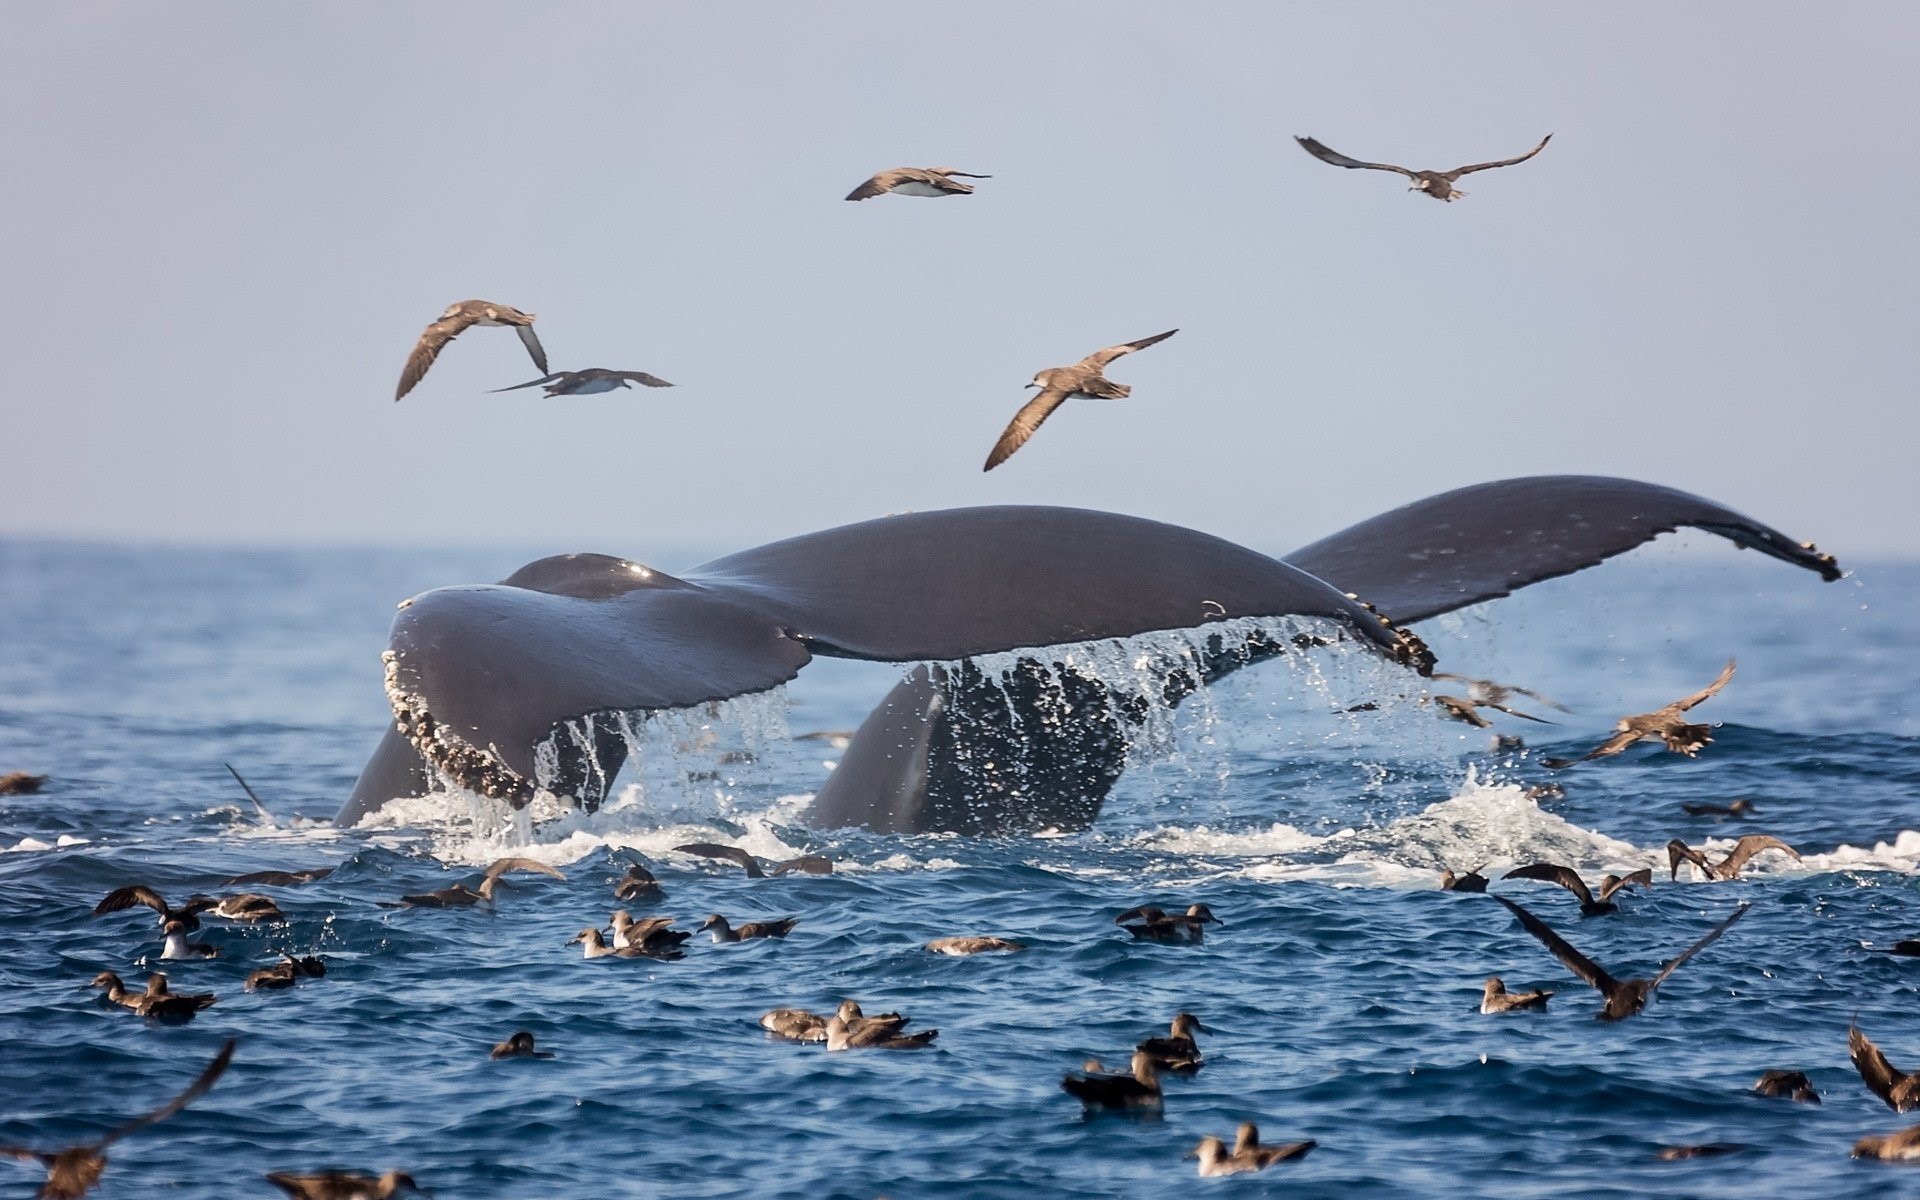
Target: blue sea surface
(1343, 984)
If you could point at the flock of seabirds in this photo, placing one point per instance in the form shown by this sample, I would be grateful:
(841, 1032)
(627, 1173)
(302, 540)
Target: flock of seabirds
(72, 1171)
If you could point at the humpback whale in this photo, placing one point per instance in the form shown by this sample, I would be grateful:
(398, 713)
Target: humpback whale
(521, 687)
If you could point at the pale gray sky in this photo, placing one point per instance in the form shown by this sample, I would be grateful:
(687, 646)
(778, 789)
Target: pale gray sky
(227, 222)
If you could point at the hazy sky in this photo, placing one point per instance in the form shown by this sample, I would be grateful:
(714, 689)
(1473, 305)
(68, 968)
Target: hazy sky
(225, 224)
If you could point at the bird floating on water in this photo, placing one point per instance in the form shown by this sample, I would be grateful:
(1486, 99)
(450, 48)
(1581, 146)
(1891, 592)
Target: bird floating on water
(462, 896)
(638, 884)
(917, 181)
(756, 868)
(343, 1185)
(1438, 184)
(1899, 1089)
(1247, 1153)
(518, 1045)
(1707, 1150)
(279, 878)
(72, 1172)
(457, 320)
(1786, 1085)
(1149, 924)
(974, 945)
(1495, 998)
(874, 1035)
(589, 382)
(1738, 808)
(1903, 1146)
(285, 973)
(156, 1002)
(1624, 997)
(800, 1025)
(1058, 385)
(1177, 1052)
(723, 932)
(1730, 866)
(19, 783)
(177, 947)
(1472, 881)
(653, 935)
(1139, 1088)
(1567, 877)
(1663, 723)
(595, 945)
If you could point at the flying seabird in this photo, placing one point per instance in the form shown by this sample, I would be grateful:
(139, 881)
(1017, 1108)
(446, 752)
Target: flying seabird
(874, 1035)
(1900, 1090)
(248, 908)
(805, 864)
(638, 884)
(19, 783)
(1903, 1146)
(342, 1185)
(1728, 867)
(72, 1172)
(596, 946)
(1623, 997)
(156, 1002)
(1457, 709)
(1438, 184)
(1138, 1089)
(1546, 791)
(974, 945)
(1247, 1153)
(1738, 808)
(916, 181)
(455, 321)
(1786, 1085)
(1149, 924)
(589, 382)
(1058, 385)
(285, 973)
(1664, 723)
(723, 932)
(177, 946)
(1570, 879)
(1472, 881)
(519, 1045)
(1177, 1051)
(462, 896)
(1495, 998)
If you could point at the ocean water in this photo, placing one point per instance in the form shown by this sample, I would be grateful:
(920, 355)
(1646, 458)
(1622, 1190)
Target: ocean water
(1343, 985)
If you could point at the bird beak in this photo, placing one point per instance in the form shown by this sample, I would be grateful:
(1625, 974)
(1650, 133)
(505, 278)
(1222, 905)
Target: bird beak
(1031, 385)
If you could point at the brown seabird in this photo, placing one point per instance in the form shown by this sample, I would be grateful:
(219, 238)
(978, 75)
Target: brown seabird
(518, 1045)
(248, 908)
(279, 878)
(1140, 1088)
(1438, 184)
(1177, 1052)
(285, 973)
(1786, 1085)
(342, 1185)
(874, 1035)
(1247, 1153)
(1903, 1146)
(723, 932)
(638, 884)
(595, 945)
(1664, 723)
(72, 1172)
(974, 945)
(1900, 1090)
(589, 382)
(1568, 878)
(917, 181)
(655, 935)
(1728, 867)
(457, 320)
(19, 783)
(1495, 998)
(156, 1002)
(1149, 924)
(1058, 385)
(1624, 997)
(1458, 709)
(1706, 1150)
(462, 896)
(1738, 808)
(805, 864)
(1472, 881)
(177, 947)
(800, 1025)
